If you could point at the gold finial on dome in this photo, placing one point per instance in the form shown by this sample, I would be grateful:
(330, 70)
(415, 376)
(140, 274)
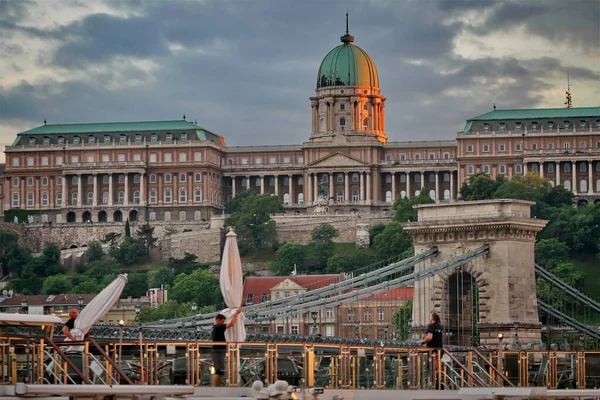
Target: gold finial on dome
(347, 38)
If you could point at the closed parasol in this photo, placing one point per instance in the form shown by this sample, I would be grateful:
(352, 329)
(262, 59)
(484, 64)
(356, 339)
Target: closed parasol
(232, 287)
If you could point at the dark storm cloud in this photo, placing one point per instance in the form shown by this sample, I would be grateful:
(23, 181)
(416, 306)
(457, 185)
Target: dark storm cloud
(245, 69)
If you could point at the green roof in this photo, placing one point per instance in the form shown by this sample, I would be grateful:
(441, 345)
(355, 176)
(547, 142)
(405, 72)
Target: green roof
(539, 113)
(112, 127)
(347, 65)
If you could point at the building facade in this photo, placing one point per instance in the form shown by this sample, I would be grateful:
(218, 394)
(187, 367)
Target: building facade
(176, 170)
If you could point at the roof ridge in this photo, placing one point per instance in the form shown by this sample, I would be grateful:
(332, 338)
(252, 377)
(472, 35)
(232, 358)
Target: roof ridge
(119, 122)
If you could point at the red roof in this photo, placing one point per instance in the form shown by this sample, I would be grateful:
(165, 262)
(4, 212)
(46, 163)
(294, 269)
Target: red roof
(259, 285)
(403, 293)
(59, 300)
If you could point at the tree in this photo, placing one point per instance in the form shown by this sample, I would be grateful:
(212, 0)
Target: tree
(9, 241)
(162, 276)
(392, 242)
(252, 221)
(27, 286)
(480, 187)
(20, 262)
(200, 287)
(339, 263)
(551, 252)
(104, 268)
(94, 252)
(324, 233)
(405, 210)
(129, 252)
(127, 229)
(288, 257)
(236, 204)
(57, 284)
(145, 234)
(401, 321)
(88, 286)
(111, 239)
(374, 231)
(136, 285)
(171, 309)
(184, 265)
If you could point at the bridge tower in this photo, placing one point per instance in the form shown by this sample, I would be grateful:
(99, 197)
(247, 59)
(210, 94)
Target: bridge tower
(490, 295)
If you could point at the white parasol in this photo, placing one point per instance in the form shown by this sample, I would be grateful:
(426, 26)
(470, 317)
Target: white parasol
(97, 308)
(232, 287)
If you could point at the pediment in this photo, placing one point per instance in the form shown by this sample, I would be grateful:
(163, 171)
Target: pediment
(338, 160)
(287, 284)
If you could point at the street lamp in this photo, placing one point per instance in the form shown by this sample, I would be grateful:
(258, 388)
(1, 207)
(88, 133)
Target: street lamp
(194, 308)
(24, 306)
(121, 323)
(314, 316)
(80, 302)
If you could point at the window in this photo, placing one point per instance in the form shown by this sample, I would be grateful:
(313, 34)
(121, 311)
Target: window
(598, 145)
(73, 198)
(342, 124)
(340, 195)
(104, 197)
(15, 182)
(582, 124)
(167, 178)
(153, 178)
(502, 147)
(15, 200)
(502, 127)
(73, 180)
(567, 124)
(59, 180)
(90, 180)
(402, 157)
(121, 157)
(197, 195)
(250, 298)
(567, 167)
(518, 147)
(152, 158)
(340, 178)
(431, 177)
(153, 196)
(197, 177)
(355, 195)
(502, 169)
(470, 170)
(60, 140)
(446, 177)
(272, 160)
(258, 160)
(58, 199)
(518, 126)
(486, 169)
(534, 126)
(355, 178)
(15, 162)
(184, 136)
(121, 197)
(366, 124)
(182, 177)
(46, 140)
(271, 182)
(469, 148)
(566, 145)
(432, 156)
(123, 138)
(182, 196)
(380, 314)
(582, 167)
(534, 168)
(550, 124)
(29, 161)
(417, 178)
(182, 157)
(90, 198)
(300, 160)
(486, 148)
(182, 215)
(325, 177)
(121, 179)
(417, 156)
(582, 145)
(486, 127)
(44, 160)
(167, 157)
(105, 158)
(342, 107)
(105, 179)
(388, 157)
(107, 138)
(286, 160)
(154, 137)
(90, 159)
(167, 215)
(31, 141)
(244, 161)
(550, 167)
(169, 137)
(29, 181)
(137, 157)
(136, 178)
(534, 146)
(91, 139)
(550, 146)
(168, 196)
(197, 156)
(138, 137)
(367, 315)
(518, 168)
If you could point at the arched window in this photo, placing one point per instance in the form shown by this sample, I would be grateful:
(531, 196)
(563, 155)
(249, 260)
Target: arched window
(502, 169)
(567, 167)
(182, 196)
(44, 199)
(182, 216)
(105, 179)
(121, 197)
(583, 187)
(153, 196)
(198, 177)
(446, 177)
(518, 168)
(167, 215)
(136, 197)
(300, 198)
(340, 195)
(44, 181)
(366, 124)
(431, 178)
(582, 167)
(74, 198)
(470, 170)
(340, 178)
(388, 196)
(567, 184)
(74, 180)
(417, 193)
(550, 167)
(58, 200)
(197, 215)
(403, 178)
(598, 185)
(167, 178)
(486, 169)
(432, 194)
(355, 178)
(551, 183)
(29, 199)
(286, 198)
(90, 197)
(90, 180)
(153, 178)
(136, 178)
(105, 197)
(168, 196)
(152, 216)
(15, 200)
(446, 194)
(121, 179)
(182, 177)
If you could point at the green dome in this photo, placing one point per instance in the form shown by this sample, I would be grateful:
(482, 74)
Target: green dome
(347, 65)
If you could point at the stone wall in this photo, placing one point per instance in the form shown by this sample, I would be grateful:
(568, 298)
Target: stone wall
(297, 228)
(206, 244)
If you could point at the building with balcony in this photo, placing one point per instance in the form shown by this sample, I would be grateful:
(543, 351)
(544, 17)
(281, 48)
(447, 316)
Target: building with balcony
(179, 171)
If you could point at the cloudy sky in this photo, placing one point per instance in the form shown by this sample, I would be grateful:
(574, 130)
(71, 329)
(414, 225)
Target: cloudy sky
(245, 69)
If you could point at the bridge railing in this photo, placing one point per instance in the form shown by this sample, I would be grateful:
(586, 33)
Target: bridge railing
(332, 366)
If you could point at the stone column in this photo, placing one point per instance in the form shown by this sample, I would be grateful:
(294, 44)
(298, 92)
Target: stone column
(51, 194)
(95, 200)
(590, 178)
(233, 187)
(23, 195)
(160, 192)
(190, 189)
(110, 190)
(574, 177)
(361, 193)
(524, 168)
(408, 193)
(65, 192)
(277, 185)
(331, 188)
(541, 169)
(346, 187)
(422, 180)
(437, 186)
(315, 186)
(142, 189)
(557, 173)
(247, 182)
(307, 188)
(126, 199)
(290, 189)
(79, 190)
(368, 188)
(451, 185)
(37, 193)
(393, 186)
(262, 184)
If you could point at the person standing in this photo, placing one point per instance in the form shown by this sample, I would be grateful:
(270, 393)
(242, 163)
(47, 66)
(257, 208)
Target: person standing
(219, 350)
(70, 324)
(434, 340)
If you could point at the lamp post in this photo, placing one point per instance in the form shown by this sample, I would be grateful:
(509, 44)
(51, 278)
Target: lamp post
(121, 323)
(24, 306)
(137, 318)
(517, 344)
(80, 302)
(314, 316)
(500, 354)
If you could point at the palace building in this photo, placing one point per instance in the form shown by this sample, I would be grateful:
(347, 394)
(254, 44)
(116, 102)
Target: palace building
(179, 171)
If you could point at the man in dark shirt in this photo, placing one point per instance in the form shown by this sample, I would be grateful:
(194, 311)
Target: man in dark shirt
(434, 340)
(219, 350)
(70, 324)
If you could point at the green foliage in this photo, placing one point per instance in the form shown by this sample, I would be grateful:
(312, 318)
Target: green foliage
(480, 187)
(94, 252)
(129, 252)
(184, 265)
(401, 321)
(57, 284)
(145, 234)
(111, 239)
(578, 228)
(324, 233)
(171, 309)
(252, 221)
(339, 263)
(236, 204)
(127, 229)
(405, 210)
(9, 243)
(551, 252)
(392, 242)
(136, 285)
(87, 286)
(200, 287)
(162, 276)
(27, 286)
(286, 257)
(98, 270)
(22, 215)
(374, 231)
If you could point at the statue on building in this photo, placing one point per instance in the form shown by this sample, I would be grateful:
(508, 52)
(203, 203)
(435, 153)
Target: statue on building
(321, 186)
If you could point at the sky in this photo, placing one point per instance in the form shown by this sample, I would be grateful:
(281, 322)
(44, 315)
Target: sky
(246, 69)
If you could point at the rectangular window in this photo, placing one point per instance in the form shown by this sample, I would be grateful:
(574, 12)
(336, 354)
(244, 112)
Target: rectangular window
(502, 147)
(402, 157)
(167, 157)
(534, 146)
(123, 139)
(197, 156)
(90, 159)
(446, 156)
(272, 160)
(182, 157)
(121, 158)
(15, 162)
(258, 161)
(342, 106)
(137, 157)
(518, 147)
(105, 158)
(486, 148)
(153, 158)
(138, 137)
(59, 160)
(286, 160)
(244, 161)
(29, 161)
(74, 159)
(44, 160)
(469, 148)
(106, 138)
(300, 160)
